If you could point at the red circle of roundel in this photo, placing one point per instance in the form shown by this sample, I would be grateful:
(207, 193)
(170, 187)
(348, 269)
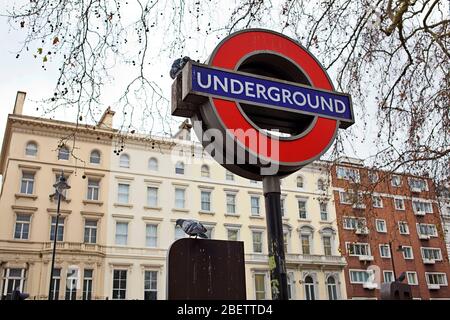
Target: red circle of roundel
(228, 54)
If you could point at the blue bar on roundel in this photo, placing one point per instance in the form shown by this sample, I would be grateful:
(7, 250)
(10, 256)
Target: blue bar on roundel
(270, 93)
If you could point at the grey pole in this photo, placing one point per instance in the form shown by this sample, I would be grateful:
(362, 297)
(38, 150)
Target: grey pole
(277, 264)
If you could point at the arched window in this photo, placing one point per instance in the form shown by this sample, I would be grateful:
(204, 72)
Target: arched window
(332, 288)
(327, 240)
(306, 234)
(153, 164)
(309, 288)
(179, 167)
(63, 153)
(300, 182)
(321, 185)
(95, 157)
(124, 161)
(205, 171)
(31, 149)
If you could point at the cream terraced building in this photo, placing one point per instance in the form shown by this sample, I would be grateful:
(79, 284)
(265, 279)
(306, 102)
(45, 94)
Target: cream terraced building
(134, 197)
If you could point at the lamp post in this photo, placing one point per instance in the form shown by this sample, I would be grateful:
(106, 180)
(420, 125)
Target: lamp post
(59, 186)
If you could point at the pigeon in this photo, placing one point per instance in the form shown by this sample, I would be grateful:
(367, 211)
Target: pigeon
(177, 66)
(192, 228)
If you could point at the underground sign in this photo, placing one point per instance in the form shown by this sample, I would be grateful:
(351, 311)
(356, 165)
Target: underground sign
(262, 105)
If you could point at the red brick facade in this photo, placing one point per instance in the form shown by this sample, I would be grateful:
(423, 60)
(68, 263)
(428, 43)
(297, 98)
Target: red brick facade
(384, 189)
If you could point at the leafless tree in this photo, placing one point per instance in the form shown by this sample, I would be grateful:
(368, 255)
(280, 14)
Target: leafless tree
(391, 56)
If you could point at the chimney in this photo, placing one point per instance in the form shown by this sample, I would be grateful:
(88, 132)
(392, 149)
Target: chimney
(106, 121)
(20, 99)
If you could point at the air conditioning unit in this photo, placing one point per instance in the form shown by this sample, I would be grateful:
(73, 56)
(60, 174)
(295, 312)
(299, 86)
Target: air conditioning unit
(370, 285)
(434, 286)
(416, 189)
(365, 258)
(419, 213)
(428, 261)
(424, 237)
(363, 230)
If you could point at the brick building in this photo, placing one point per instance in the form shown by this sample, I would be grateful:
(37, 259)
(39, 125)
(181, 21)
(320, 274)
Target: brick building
(389, 223)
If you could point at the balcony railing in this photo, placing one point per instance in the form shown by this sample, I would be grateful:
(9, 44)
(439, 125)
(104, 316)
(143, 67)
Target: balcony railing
(314, 259)
(76, 246)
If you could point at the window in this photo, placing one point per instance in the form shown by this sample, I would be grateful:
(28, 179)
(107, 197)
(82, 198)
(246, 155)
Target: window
(152, 197)
(323, 211)
(179, 167)
(385, 251)
(321, 185)
(388, 276)
(55, 284)
(426, 229)
(260, 286)
(403, 227)
(233, 234)
(436, 278)
(396, 181)
(87, 284)
(302, 209)
(60, 235)
(358, 249)
(151, 236)
(348, 174)
(431, 253)
(13, 279)
(255, 206)
(373, 177)
(229, 176)
(412, 278)
(71, 284)
(300, 182)
(209, 231)
(421, 206)
(345, 197)
(282, 200)
(205, 200)
(332, 288)
(309, 288)
(123, 194)
(399, 204)
(63, 153)
(180, 198)
(31, 149)
(22, 227)
(286, 240)
(124, 161)
(306, 243)
(95, 157)
(119, 284)
(93, 189)
(407, 252)
(352, 223)
(291, 285)
(179, 233)
(90, 231)
(150, 285)
(152, 164)
(381, 225)
(205, 171)
(231, 203)
(27, 184)
(360, 276)
(377, 202)
(327, 250)
(121, 233)
(257, 241)
(417, 184)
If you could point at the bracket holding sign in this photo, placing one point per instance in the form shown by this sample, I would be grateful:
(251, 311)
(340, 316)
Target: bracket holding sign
(273, 100)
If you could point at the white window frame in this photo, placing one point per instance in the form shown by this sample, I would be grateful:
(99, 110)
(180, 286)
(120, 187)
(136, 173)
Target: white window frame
(405, 224)
(427, 226)
(368, 272)
(63, 153)
(410, 249)
(124, 160)
(345, 197)
(151, 237)
(90, 230)
(207, 202)
(384, 245)
(205, 172)
(437, 273)
(120, 288)
(388, 272)
(230, 195)
(123, 194)
(423, 249)
(360, 244)
(374, 202)
(265, 277)
(383, 222)
(28, 181)
(371, 175)
(350, 174)
(93, 189)
(402, 202)
(257, 211)
(34, 152)
(150, 282)
(305, 201)
(229, 176)
(412, 181)
(182, 200)
(180, 168)
(122, 235)
(322, 212)
(394, 177)
(416, 282)
(99, 157)
(261, 243)
(238, 233)
(22, 223)
(152, 164)
(427, 205)
(152, 199)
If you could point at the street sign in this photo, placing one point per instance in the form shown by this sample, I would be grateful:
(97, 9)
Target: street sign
(261, 81)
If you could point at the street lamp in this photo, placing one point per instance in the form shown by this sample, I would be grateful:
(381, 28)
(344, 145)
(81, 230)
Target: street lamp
(59, 186)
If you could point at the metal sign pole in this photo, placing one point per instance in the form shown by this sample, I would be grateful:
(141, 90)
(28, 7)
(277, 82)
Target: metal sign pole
(277, 265)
